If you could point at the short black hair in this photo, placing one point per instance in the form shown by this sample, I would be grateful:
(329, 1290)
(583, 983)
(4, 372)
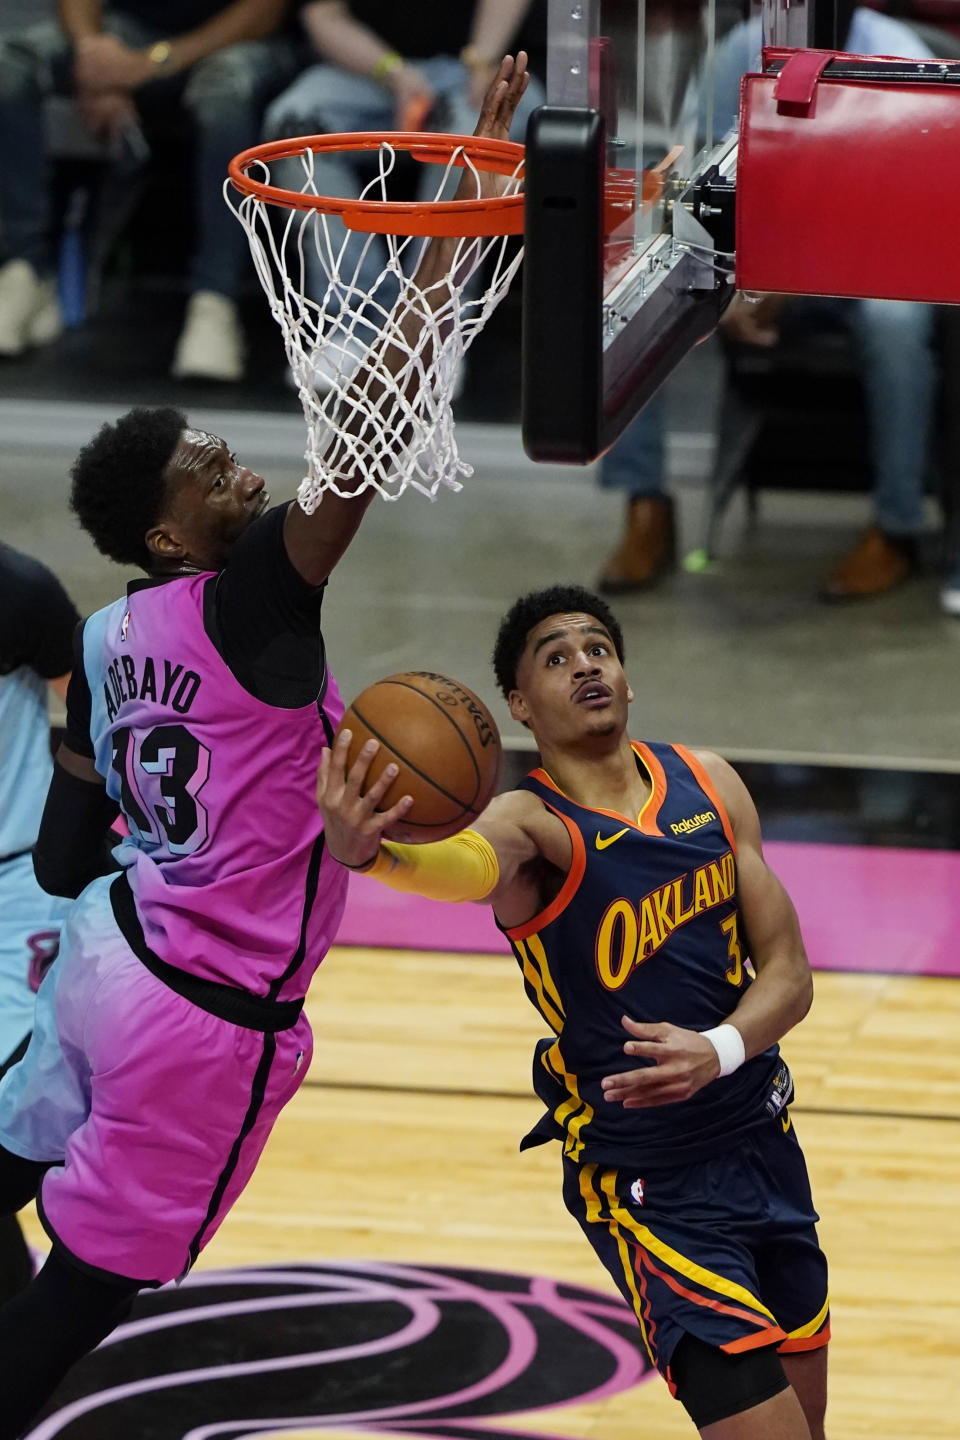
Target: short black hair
(118, 485)
(530, 609)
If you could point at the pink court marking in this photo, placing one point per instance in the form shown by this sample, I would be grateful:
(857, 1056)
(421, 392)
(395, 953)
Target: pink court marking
(861, 908)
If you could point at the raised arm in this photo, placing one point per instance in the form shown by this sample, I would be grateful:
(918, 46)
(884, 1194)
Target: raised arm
(777, 999)
(316, 542)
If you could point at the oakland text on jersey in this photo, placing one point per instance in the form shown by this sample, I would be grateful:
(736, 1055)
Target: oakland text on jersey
(160, 681)
(629, 934)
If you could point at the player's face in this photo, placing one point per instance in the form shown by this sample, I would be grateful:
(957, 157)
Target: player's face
(570, 683)
(212, 499)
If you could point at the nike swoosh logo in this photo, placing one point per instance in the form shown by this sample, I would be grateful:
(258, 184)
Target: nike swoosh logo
(602, 844)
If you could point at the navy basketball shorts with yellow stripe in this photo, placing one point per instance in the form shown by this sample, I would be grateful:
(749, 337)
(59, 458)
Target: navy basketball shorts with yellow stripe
(724, 1249)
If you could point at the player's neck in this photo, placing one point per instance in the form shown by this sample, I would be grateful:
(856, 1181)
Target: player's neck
(174, 570)
(601, 776)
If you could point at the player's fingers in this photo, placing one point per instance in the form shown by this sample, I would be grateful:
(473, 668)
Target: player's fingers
(667, 1093)
(331, 776)
(646, 1050)
(490, 113)
(375, 792)
(517, 81)
(643, 1030)
(396, 812)
(358, 770)
(323, 775)
(514, 82)
(495, 93)
(338, 756)
(630, 1096)
(629, 1079)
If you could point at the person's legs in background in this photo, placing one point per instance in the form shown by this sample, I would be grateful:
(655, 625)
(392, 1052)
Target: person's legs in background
(894, 341)
(225, 96)
(636, 466)
(29, 310)
(326, 100)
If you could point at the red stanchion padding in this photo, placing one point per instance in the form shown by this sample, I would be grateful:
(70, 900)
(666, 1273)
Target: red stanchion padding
(846, 177)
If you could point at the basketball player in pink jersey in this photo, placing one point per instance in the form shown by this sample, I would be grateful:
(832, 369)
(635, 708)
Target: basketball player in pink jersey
(170, 1034)
(629, 879)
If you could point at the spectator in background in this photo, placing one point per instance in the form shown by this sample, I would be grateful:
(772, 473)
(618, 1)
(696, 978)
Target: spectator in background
(37, 622)
(219, 64)
(636, 466)
(893, 343)
(387, 66)
(675, 56)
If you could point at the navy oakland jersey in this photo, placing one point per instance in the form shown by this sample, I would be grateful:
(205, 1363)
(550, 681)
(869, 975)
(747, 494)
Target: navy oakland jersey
(647, 925)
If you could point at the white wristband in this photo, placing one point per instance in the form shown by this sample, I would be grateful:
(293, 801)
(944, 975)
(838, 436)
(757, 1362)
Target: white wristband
(728, 1043)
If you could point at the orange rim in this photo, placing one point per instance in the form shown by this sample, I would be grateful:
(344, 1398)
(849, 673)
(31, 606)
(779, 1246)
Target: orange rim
(502, 215)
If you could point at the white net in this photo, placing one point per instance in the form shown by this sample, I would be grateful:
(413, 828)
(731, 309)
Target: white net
(375, 358)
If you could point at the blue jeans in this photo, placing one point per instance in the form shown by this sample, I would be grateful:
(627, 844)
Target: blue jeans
(223, 96)
(892, 338)
(893, 342)
(326, 100)
(636, 464)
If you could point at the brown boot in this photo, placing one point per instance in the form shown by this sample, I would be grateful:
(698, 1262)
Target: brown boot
(647, 550)
(876, 565)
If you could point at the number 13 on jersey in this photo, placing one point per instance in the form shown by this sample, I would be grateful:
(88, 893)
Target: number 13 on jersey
(161, 773)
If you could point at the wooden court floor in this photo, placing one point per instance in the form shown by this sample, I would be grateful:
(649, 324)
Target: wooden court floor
(402, 1147)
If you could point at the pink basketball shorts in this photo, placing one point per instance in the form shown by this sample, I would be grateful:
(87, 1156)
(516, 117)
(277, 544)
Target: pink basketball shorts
(152, 1111)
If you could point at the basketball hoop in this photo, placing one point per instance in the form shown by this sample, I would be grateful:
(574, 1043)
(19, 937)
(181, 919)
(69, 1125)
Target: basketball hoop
(388, 412)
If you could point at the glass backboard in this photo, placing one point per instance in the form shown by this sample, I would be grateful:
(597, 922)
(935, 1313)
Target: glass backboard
(630, 203)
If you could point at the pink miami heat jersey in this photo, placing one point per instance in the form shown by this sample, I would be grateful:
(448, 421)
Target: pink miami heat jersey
(225, 857)
(646, 924)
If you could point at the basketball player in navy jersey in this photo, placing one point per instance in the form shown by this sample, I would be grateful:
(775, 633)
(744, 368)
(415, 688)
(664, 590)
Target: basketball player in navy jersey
(630, 881)
(37, 621)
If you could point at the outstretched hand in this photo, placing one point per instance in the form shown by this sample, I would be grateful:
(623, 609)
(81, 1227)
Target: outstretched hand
(682, 1063)
(496, 116)
(503, 95)
(352, 822)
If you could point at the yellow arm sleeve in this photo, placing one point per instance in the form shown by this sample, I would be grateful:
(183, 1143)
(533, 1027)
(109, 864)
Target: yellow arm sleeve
(464, 867)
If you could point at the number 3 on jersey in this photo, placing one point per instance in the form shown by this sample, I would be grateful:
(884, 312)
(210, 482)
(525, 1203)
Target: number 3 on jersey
(161, 773)
(729, 928)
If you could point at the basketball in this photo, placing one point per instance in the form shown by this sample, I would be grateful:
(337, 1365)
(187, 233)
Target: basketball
(445, 742)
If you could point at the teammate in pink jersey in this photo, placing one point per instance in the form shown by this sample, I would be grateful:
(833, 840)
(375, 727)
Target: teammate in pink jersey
(170, 1034)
